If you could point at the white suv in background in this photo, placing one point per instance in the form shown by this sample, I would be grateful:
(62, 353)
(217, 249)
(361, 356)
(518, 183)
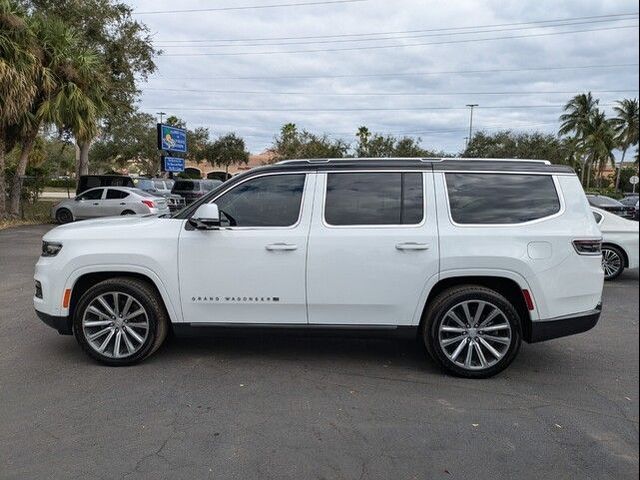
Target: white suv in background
(470, 256)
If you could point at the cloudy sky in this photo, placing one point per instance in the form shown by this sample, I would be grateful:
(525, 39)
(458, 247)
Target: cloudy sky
(406, 67)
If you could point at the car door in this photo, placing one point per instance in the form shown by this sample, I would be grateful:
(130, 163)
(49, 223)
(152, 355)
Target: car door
(373, 247)
(252, 269)
(88, 204)
(115, 202)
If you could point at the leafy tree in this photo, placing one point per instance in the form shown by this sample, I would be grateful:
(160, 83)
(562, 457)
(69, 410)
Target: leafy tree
(124, 48)
(291, 143)
(376, 145)
(510, 144)
(625, 125)
(132, 144)
(18, 71)
(228, 150)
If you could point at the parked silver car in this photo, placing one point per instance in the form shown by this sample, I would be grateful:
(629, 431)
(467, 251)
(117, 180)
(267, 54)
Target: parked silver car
(109, 201)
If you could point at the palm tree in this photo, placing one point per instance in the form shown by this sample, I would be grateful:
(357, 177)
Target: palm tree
(18, 67)
(625, 125)
(578, 112)
(599, 143)
(65, 66)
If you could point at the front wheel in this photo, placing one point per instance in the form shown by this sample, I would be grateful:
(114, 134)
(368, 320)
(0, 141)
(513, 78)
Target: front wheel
(120, 321)
(472, 331)
(612, 262)
(64, 215)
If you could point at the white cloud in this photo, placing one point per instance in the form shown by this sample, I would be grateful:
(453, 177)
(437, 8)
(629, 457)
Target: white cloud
(446, 128)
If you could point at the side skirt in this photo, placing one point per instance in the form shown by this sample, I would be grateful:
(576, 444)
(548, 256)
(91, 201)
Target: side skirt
(244, 329)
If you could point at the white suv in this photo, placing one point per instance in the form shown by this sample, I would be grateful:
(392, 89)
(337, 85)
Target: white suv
(471, 256)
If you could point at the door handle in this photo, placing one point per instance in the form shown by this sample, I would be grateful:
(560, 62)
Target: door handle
(96, 204)
(281, 247)
(122, 203)
(412, 246)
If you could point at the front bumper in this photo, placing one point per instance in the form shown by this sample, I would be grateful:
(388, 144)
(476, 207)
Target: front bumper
(563, 326)
(61, 324)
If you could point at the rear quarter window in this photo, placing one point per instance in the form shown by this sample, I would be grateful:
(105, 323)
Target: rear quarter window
(494, 199)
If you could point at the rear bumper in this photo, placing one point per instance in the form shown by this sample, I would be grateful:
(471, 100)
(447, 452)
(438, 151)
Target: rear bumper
(563, 326)
(61, 324)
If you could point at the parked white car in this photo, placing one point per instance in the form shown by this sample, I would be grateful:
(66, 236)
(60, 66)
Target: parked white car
(107, 202)
(619, 243)
(470, 256)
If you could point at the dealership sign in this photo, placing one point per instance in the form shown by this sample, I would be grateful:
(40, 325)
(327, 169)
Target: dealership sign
(172, 139)
(172, 164)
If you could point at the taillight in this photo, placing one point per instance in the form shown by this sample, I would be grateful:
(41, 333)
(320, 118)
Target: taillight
(588, 247)
(149, 203)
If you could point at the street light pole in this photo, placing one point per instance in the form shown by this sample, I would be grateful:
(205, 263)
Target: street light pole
(471, 106)
(162, 114)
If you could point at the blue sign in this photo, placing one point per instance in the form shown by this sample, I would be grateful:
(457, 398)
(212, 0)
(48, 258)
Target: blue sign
(172, 139)
(172, 164)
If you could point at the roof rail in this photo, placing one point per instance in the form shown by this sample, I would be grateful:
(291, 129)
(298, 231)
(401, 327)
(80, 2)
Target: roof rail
(415, 159)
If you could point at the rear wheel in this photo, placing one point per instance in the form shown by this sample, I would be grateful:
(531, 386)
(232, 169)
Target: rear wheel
(128, 212)
(120, 321)
(612, 262)
(472, 331)
(64, 215)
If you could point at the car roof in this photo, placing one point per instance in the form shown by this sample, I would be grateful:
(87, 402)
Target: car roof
(497, 165)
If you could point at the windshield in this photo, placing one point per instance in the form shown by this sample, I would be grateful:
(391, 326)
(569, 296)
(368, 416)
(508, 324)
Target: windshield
(159, 184)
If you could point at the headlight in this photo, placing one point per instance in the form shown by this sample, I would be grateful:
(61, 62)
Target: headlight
(50, 249)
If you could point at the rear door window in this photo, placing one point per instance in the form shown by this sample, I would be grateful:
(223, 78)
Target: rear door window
(488, 198)
(374, 198)
(116, 194)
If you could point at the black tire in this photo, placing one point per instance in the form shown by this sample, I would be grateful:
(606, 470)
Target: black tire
(453, 298)
(64, 215)
(615, 258)
(128, 212)
(146, 296)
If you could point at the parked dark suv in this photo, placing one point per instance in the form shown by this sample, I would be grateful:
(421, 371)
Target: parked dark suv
(611, 205)
(192, 189)
(91, 181)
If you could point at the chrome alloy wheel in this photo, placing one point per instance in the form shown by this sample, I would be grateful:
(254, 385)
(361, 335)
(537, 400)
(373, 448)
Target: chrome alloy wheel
(115, 325)
(475, 335)
(611, 262)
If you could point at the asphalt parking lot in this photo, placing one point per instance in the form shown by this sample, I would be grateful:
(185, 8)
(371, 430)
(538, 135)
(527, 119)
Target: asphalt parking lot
(300, 408)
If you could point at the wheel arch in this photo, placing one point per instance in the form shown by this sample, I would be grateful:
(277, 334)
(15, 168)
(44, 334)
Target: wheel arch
(85, 280)
(506, 286)
(625, 255)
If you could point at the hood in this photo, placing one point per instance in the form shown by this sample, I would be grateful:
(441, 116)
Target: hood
(120, 226)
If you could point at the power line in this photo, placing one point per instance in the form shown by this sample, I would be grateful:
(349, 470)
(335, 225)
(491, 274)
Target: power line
(377, 47)
(353, 40)
(404, 31)
(362, 109)
(378, 94)
(403, 74)
(249, 7)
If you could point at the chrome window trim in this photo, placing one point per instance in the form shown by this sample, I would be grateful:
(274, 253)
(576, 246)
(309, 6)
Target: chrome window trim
(253, 177)
(422, 222)
(502, 225)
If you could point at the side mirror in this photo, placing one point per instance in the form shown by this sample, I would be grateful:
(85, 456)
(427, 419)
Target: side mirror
(206, 217)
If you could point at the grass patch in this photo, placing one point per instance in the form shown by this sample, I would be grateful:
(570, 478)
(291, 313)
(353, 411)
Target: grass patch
(34, 213)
